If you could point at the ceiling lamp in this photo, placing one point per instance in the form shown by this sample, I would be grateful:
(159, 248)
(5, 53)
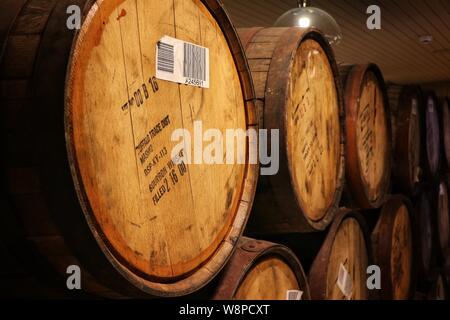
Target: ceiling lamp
(311, 17)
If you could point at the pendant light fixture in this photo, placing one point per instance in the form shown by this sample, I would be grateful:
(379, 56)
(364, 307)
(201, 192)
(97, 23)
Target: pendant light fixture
(311, 17)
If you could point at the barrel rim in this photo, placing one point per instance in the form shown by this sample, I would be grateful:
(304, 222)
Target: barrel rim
(424, 267)
(401, 151)
(333, 208)
(319, 267)
(357, 185)
(383, 238)
(245, 260)
(445, 104)
(432, 176)
(204, 273)
(442, 181)
(289, 42)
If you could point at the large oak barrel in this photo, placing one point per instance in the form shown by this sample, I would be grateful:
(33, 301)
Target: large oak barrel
(297, 90)
(393, 92)
(407, 169)
(88, 165)
(443, 218)
(425, 236)
(439, 288)
(368, 135)
(432, 144)
(261, 270)
(446, 269)
(393, 249)
(339, 271)
(445, 132)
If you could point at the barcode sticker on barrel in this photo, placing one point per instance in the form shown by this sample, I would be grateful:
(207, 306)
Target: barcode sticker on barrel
(344, 282)
(294, 295)
(182, 62)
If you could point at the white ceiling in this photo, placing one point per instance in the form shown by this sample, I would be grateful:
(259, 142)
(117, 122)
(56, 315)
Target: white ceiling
(395, 48)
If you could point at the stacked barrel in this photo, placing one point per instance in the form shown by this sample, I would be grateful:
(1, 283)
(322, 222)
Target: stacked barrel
(87, 165)
(356, 208)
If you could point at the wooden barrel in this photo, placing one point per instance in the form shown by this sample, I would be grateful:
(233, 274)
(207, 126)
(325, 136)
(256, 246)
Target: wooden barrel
(407, 169)
(425, 246)
(432, 146)
(18, 280)
(297, 90)
(393, 249)
(443, 218)
(447, 269)
(439, 288)
(88, 160)
(368, 135)
(339, 271)
(393, 92)
(261, 270)
(445, 132)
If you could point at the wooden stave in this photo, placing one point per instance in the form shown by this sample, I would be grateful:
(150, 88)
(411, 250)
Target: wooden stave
(423, 221)
(27, 250)
(444, 112)
(287, 209)
(447, 269)
(247, 256)
(401, 173)
(439, 289)
(355, 192)
(80, 243)
(394, 91)
(7, 17)
(441, 220)
(430, 174)
(382, 243)
(318, 271)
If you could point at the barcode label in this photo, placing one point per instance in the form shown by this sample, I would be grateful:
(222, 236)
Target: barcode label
(294, 295)
(166, 58)
(194, 62)
(182, 62)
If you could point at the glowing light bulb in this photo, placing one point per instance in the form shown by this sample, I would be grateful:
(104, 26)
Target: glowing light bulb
(304, 22)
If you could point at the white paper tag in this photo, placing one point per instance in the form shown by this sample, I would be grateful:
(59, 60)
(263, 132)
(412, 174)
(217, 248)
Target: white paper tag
(294, 295)
(182, 62)
(345, 283)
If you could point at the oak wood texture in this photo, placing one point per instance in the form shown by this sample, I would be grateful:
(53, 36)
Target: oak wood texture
(261, 270)
(298, 93)
(394, 248)
(368, 135)
(394, 91)
(432, 146)
(80, 194)
(445, 132)
(407, 125)
(443, 218)
(439, 289)
(425, 237)
(347, 244)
